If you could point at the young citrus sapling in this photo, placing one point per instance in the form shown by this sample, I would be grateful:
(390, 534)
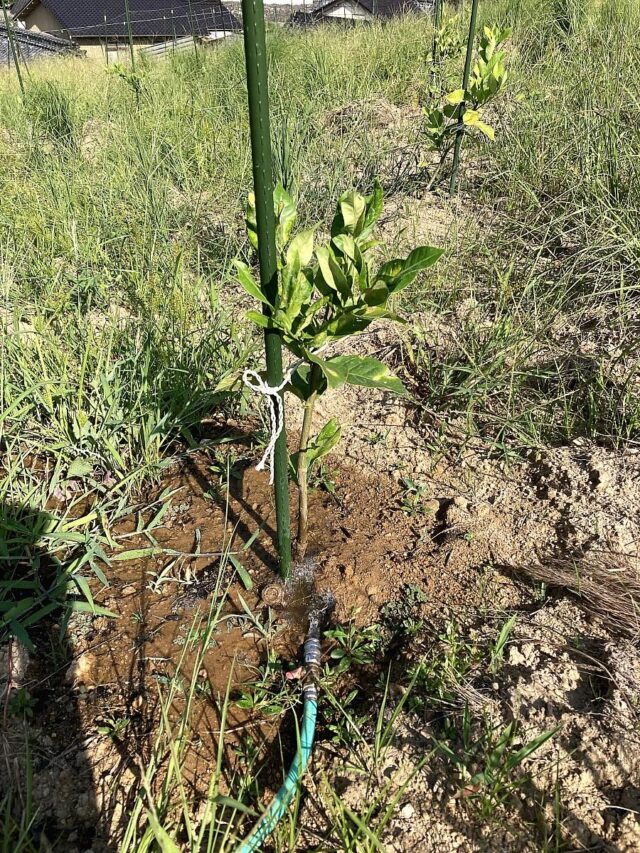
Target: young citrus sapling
(329, 290)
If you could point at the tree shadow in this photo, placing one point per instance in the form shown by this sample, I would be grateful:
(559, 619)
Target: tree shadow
(46, 773)
(237, 493)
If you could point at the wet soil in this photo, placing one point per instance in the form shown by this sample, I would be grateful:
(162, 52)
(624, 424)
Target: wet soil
(480, 538)
(172, 567)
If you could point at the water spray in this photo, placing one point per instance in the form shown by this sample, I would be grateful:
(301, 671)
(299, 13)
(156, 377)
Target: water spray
(319, 607)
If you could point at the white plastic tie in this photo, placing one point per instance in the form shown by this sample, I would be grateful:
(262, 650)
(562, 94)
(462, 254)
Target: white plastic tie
(256, 383)
(271, 393)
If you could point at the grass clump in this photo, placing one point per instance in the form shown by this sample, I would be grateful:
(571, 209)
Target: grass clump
(539, 305)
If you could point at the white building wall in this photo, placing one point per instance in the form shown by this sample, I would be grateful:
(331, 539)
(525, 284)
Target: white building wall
(349, 10)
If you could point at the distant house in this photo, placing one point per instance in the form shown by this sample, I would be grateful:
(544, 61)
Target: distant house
(30, 46)
(101, 25)
(359, 10)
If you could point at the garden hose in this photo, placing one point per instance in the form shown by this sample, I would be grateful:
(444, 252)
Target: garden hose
(270, 819)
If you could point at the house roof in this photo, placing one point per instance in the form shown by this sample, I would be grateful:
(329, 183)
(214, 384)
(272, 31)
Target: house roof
(149, 18)
(379, 8)
(31, 45)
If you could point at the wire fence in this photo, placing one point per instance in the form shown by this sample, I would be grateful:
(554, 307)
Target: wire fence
(159, 29)
(156, 29)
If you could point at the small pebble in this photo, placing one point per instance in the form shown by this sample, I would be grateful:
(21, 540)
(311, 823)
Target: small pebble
(80, 669)
(138, 702)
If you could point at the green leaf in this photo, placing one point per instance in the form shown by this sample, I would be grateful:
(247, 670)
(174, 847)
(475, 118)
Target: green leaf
(251, 220)
(331, 272)
(360, 370)
(166, 844)
(348, 323)
(40, 614)
(347, 246)
(19, 632)
(472, 119)
(378, 294)
(350, 216)
(85, 607)
(374, 210)
(398, 274)
(285, 211)
(488, 131)
(137, 554)
(301, 248)
(352, 207)
(79, 468)
(325, 441)
(259, 319)
(456, 97)
(301, 386)
(296, 290)
(84, 589)
(243, 574)
(236, 805)
(518, 757)
(246, 279)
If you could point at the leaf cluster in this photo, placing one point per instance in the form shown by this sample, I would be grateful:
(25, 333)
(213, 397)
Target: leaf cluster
(329, 290)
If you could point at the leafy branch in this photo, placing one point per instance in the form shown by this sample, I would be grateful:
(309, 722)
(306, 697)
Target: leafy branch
(328, 291)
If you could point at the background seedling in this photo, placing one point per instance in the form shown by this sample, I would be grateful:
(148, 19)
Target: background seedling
(498, 648)
(453, 114)
(354, 646)
(413, 496)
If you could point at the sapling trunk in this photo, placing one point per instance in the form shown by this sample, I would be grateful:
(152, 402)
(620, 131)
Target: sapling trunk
(303, 463)
(465, 85)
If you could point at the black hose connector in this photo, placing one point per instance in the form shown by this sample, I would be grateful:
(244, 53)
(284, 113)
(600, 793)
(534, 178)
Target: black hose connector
(312, 651)
(312, 662)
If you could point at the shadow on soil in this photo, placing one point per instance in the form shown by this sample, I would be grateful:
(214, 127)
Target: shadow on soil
(41, 736)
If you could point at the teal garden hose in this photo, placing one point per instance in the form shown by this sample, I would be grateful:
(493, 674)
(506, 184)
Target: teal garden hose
(270, 819)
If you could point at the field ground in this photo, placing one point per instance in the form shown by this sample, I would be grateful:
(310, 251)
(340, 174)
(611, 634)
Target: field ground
(481, 689)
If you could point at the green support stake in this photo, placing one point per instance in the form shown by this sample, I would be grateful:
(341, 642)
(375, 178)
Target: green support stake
(257, 84)
(465, 85)
(437, 20)
(435, 52)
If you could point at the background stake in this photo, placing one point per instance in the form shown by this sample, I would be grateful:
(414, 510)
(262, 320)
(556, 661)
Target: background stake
(465, 85)
(12, 45)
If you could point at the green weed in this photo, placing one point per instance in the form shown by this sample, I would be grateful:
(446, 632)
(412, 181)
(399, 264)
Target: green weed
(489, 763)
